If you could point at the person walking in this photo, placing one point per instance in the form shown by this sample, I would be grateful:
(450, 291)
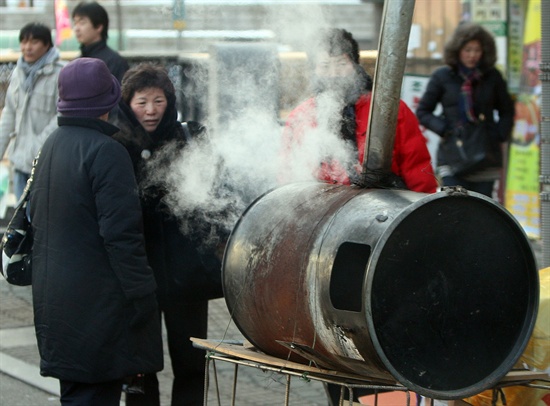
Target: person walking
(470, 89)
(30, 111)
(91, 28)
(186, 267)
(340, 106)
(95, 309)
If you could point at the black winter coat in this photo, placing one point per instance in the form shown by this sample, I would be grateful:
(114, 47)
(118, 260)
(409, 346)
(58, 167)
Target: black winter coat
(89, 262)
(490, 94)
(186, 267)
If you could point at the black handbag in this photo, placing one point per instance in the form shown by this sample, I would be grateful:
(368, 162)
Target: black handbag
(16, 244)
(470, 148)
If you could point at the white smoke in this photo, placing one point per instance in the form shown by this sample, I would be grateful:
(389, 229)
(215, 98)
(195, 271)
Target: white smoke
(219, 175)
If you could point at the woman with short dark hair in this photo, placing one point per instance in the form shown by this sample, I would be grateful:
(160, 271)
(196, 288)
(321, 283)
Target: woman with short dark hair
(181, 261)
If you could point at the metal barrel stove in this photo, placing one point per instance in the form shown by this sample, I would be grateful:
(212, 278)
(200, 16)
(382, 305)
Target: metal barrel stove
(438, 292)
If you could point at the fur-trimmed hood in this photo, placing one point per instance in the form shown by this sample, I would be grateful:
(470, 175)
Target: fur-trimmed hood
(465, 33)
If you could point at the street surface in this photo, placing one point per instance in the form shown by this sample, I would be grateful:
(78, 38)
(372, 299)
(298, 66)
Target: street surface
(22, 385)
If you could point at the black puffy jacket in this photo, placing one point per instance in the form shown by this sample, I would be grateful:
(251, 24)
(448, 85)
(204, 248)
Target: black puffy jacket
(186, 268)
(89, 262)
(490, 95)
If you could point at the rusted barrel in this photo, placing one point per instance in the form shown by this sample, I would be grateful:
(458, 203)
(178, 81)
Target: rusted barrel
(437, 292)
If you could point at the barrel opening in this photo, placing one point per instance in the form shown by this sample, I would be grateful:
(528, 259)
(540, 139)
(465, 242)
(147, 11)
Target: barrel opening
(453, 306)
(348, 273)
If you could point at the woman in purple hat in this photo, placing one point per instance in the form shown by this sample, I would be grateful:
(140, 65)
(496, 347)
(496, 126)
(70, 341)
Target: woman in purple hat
(95, 309)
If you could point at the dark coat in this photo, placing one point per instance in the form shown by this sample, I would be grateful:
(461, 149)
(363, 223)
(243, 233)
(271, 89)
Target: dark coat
(114, 61)
(186, 267)
(89, 265)
(490, 94)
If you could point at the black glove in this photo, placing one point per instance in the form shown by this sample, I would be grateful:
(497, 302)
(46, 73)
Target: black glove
(144, 308)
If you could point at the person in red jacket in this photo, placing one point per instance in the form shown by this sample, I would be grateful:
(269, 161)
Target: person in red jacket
(340, 107)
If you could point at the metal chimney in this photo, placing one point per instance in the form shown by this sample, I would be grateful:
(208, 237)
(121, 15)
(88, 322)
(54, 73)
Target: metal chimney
(388, 77)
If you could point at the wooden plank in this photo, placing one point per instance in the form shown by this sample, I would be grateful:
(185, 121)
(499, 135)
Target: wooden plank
(248, 352)
(251, 354)
(524, 376)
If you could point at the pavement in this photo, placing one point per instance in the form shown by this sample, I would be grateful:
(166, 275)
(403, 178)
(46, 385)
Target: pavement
(22, 385)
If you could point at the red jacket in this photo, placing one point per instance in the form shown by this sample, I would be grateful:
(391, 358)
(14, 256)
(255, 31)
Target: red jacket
(411, 159)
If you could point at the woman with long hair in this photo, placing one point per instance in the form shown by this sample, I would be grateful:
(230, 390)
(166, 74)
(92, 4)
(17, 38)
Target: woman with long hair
(470, 89)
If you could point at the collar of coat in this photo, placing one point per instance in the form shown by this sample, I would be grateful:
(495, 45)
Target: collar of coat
(96, 46)
(87, 122)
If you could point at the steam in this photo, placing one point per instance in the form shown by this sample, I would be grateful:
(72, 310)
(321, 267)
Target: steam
(244, 153)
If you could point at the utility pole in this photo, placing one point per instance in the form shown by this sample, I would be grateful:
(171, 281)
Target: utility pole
(119, 25)
(545, 133)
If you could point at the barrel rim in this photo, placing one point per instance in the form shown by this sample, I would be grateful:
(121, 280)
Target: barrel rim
(528, 326)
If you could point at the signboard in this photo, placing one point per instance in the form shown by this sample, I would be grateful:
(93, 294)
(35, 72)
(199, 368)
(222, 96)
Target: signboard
(522, 197)
(178, 15)
(411, 91)
(492, 15)
(63, 28)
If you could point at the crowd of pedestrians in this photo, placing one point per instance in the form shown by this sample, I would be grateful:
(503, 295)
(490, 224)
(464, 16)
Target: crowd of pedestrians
(110, 261)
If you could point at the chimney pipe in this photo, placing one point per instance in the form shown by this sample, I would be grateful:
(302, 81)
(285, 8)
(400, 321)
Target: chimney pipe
(388, 77)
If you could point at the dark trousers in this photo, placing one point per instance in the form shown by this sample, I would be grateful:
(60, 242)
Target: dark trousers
(90, 394)
(182, 321)
(484, 188)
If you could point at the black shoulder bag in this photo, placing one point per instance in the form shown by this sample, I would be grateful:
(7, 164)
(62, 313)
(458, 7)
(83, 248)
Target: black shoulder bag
(471, 148)
(16, 244)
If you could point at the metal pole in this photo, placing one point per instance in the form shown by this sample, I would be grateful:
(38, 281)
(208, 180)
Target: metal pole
(388, 77)
(545, 133)
(119, 25)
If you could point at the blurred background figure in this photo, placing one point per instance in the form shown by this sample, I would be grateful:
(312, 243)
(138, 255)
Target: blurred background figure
(341, 106)
(91, 28)
(469, 88)
(180, 251)
(30, 112)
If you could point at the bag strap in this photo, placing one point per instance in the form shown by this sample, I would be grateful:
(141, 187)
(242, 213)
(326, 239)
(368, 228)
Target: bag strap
(25, 195)
(186, 132)
(20, 206)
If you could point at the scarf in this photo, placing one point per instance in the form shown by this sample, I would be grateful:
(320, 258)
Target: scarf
(31, 70)
(466, 104)
(347, 124)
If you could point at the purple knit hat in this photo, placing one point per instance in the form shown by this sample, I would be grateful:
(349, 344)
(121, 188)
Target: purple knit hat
(87, 88)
